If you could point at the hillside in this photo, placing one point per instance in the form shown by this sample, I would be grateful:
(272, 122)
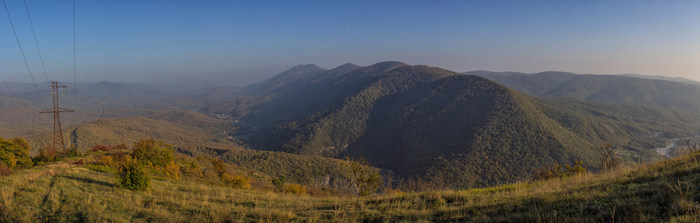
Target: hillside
(453, 130)
(193, 133)
(662, 192)
(602, 88)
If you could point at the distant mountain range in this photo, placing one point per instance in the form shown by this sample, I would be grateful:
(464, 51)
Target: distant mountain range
(603, 88)
(450, 129)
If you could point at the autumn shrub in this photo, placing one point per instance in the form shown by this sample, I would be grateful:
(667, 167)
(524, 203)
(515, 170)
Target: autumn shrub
(153, 152)
(14, 153)
(7, 159)
(172, 170)
(100, 147)
(132, 175)
(47, 154)
(235, 181)
(107, 160)
(293, 188)
(560, 171)
(119, 157)
(4, 170)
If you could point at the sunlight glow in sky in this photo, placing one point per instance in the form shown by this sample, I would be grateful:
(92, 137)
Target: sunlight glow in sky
(240, 42)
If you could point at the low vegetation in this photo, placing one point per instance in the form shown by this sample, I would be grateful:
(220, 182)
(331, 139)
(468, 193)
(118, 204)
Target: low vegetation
(86, 188)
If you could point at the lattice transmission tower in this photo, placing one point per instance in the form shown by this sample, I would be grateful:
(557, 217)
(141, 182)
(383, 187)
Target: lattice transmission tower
(56, 110)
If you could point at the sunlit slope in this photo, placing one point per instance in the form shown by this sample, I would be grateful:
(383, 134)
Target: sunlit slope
(193, 133)
(665, 191)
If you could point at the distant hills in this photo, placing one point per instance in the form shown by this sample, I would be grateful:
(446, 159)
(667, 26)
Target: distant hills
(603, 88)
(190, 132)
(447, 128)
(417, 122)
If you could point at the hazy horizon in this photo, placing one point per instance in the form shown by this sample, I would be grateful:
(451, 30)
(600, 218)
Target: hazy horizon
(242, 43)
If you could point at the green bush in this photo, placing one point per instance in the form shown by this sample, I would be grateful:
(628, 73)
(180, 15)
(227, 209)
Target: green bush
(153, 152)
(279, 181)
(560, 171)
(14, 153)
(132, 175)
(99, 168)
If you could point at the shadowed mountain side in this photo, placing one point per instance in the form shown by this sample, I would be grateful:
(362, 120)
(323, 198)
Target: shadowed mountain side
(455, 130)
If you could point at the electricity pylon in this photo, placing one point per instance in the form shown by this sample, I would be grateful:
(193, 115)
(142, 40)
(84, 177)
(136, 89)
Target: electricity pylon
(56, 110)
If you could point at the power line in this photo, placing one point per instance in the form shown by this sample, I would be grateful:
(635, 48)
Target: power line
(22, 51)
(36, 42)
(8, 87)
(75, 82)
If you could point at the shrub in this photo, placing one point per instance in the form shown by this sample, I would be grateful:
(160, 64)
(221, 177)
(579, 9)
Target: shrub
(191, 169)
(279, 181)
(608, 158)
(365, 179)
(107, 160)
(172, 170)
(14, 153)
(560, 171)
(100, 147)
(132, 175)
(121, 147)
(71, 152)
(48, 154)
(236, 181)
(294, 189)
(155, 152)
(99, 168)
(4, 171)
(7, 159)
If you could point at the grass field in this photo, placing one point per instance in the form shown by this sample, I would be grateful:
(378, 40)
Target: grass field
(668, 191)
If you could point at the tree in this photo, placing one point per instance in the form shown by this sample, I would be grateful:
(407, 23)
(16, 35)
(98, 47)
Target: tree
(366, 179)
(609, 159)
(155, 152)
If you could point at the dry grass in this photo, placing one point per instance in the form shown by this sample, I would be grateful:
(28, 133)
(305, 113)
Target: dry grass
(666, 191)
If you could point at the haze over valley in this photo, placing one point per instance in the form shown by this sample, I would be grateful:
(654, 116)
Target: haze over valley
(478, 111)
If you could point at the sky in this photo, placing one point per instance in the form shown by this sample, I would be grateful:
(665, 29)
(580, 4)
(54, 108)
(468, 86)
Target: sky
(241, 42)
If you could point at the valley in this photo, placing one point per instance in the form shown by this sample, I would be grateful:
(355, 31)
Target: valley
(419, 122)
(438, 135)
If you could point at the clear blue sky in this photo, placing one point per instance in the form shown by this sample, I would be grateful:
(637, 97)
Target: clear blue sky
(239, 42)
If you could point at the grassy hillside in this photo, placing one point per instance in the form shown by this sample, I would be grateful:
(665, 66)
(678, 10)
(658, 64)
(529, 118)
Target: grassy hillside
(193, 133)
(666, 191)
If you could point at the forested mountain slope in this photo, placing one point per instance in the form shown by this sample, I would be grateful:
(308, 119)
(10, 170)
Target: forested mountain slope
(448, 128)
(602, 88)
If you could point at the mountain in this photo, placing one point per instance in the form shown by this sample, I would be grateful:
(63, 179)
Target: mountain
(660, 77)
(602, 88)
(447, 128)
(19, 116)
